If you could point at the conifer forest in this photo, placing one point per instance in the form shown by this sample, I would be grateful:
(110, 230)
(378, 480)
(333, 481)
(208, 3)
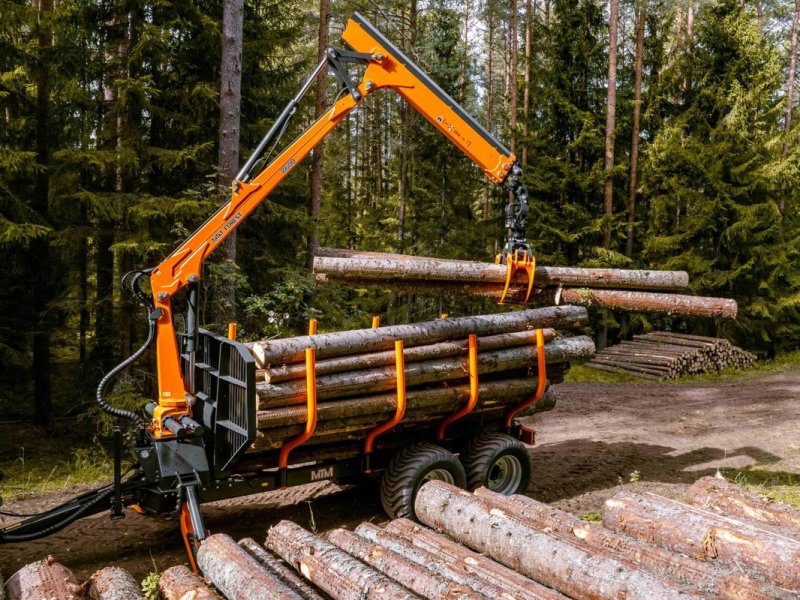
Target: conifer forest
(658, 134)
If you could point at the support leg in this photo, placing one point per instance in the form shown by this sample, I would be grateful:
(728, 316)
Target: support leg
(192, 528)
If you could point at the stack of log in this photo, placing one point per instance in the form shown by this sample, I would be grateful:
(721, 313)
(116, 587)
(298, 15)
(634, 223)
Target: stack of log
(667, 355)
(356, 373)
(726, 543)
(616, 289)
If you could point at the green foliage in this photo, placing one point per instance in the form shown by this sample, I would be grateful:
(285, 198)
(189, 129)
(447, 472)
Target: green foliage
(150, 586)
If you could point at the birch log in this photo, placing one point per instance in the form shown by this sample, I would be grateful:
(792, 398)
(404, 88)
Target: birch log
(181, 583)
(333, 571)
(578, 572)
(415, 577)
(705, 535)
(44, 579)
(238, 575)
(436, 269)
(113, 583)
(415, 354)
(709, 578)
(371, 381)
(721, 496)
(361, 341)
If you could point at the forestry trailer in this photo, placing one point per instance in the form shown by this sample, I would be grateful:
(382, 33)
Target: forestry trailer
(190, 445)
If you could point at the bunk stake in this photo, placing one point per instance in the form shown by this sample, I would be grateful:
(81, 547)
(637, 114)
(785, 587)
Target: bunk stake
(400, 411)
(311, 410)
(472, 347)
(540, 387)
(233, 331)
(376, 321)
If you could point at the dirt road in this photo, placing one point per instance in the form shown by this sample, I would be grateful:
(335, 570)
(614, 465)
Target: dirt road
(591, 443)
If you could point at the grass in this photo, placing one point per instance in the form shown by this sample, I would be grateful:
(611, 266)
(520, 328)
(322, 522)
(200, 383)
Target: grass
(775, 485)
(783, 362)
(33, 462)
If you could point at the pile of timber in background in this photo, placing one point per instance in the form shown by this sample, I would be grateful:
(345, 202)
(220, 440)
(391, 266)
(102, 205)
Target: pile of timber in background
(616, 289)
(356, 374)
(724, 543)
(666, 355)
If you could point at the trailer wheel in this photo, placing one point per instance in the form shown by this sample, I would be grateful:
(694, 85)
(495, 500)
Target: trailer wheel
(499, 462)
(409, 469)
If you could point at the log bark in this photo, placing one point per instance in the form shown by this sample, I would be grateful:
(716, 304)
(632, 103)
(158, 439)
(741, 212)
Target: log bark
(705, 535)
(576, 571)
(113, 583)
(670, 304)
(180, 583)
(436, 269)
(372, 381)
(493, 579)
(326, 566)
(238, 575)
(457, 570)
(415, 577)
(721, 496)
(280, 570)
(327, 345)
(415, 354)
(44, 579)
(661, 563)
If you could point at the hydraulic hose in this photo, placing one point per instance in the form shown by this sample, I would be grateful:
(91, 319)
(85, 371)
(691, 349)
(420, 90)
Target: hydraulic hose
(125, 364)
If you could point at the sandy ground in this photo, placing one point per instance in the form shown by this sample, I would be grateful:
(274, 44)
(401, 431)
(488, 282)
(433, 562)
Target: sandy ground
(588, 447)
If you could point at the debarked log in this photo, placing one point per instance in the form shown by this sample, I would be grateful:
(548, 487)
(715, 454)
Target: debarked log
(44, 579)
(415, 577)
(335, 572)
(437, 269)
(181, 583)
(362, 341)
(722, 496)
(706, 536)
(706, 577)
(577, 571)
(113, 583)
(414, 354)
(371, 381)
(237, 574)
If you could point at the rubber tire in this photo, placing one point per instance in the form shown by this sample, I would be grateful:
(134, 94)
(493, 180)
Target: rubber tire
(406, 473)
(485, 450)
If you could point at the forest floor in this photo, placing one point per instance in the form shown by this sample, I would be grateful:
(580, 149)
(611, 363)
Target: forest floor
(601, 437)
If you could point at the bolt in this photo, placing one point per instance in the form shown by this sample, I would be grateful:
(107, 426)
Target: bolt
(192, 278)
(370, 85)
(378, 57)
(163, 296)
(145, 454)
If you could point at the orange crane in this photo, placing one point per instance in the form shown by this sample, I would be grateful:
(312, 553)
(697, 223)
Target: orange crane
(190, 439)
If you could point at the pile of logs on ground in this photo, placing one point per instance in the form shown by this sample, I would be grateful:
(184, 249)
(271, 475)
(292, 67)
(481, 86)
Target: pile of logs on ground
(356, 373)
(724, 543)
(666, 355)
(616, 289)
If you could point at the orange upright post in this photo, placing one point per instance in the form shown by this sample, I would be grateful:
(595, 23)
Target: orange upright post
(472, 349)
(540, 387)
(400, 410)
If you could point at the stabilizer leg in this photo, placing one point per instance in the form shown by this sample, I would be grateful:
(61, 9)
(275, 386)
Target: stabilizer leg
(192, 528)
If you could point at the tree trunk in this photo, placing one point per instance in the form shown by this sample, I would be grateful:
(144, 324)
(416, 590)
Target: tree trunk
(406, 120)
(489, 96)
(526, 93)
(611, 119)
(578, 572)
(494, 579)
(113, 583)
(633, 182)
(415, 577)
(230, 101)
(329, 568)
(180, 583)
(513, 49)
(657, 561)
(343, 343)
(704, 535)
(787, 122)
(238, 575)
(676, 304)
(43, 579)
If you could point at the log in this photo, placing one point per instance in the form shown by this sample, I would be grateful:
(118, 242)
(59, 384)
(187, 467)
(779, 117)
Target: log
(578, 572)
(721, 496)
(436, 269)
(444, 555)
(44, 579)
(326, 566)
(371, 381)
(415, 354)
(280, 570)
(236, 574)
(705, 535)
(705, 577)
(361, 341)
(181, 583)
(415, 577)
(113, 583)
(669, 304)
